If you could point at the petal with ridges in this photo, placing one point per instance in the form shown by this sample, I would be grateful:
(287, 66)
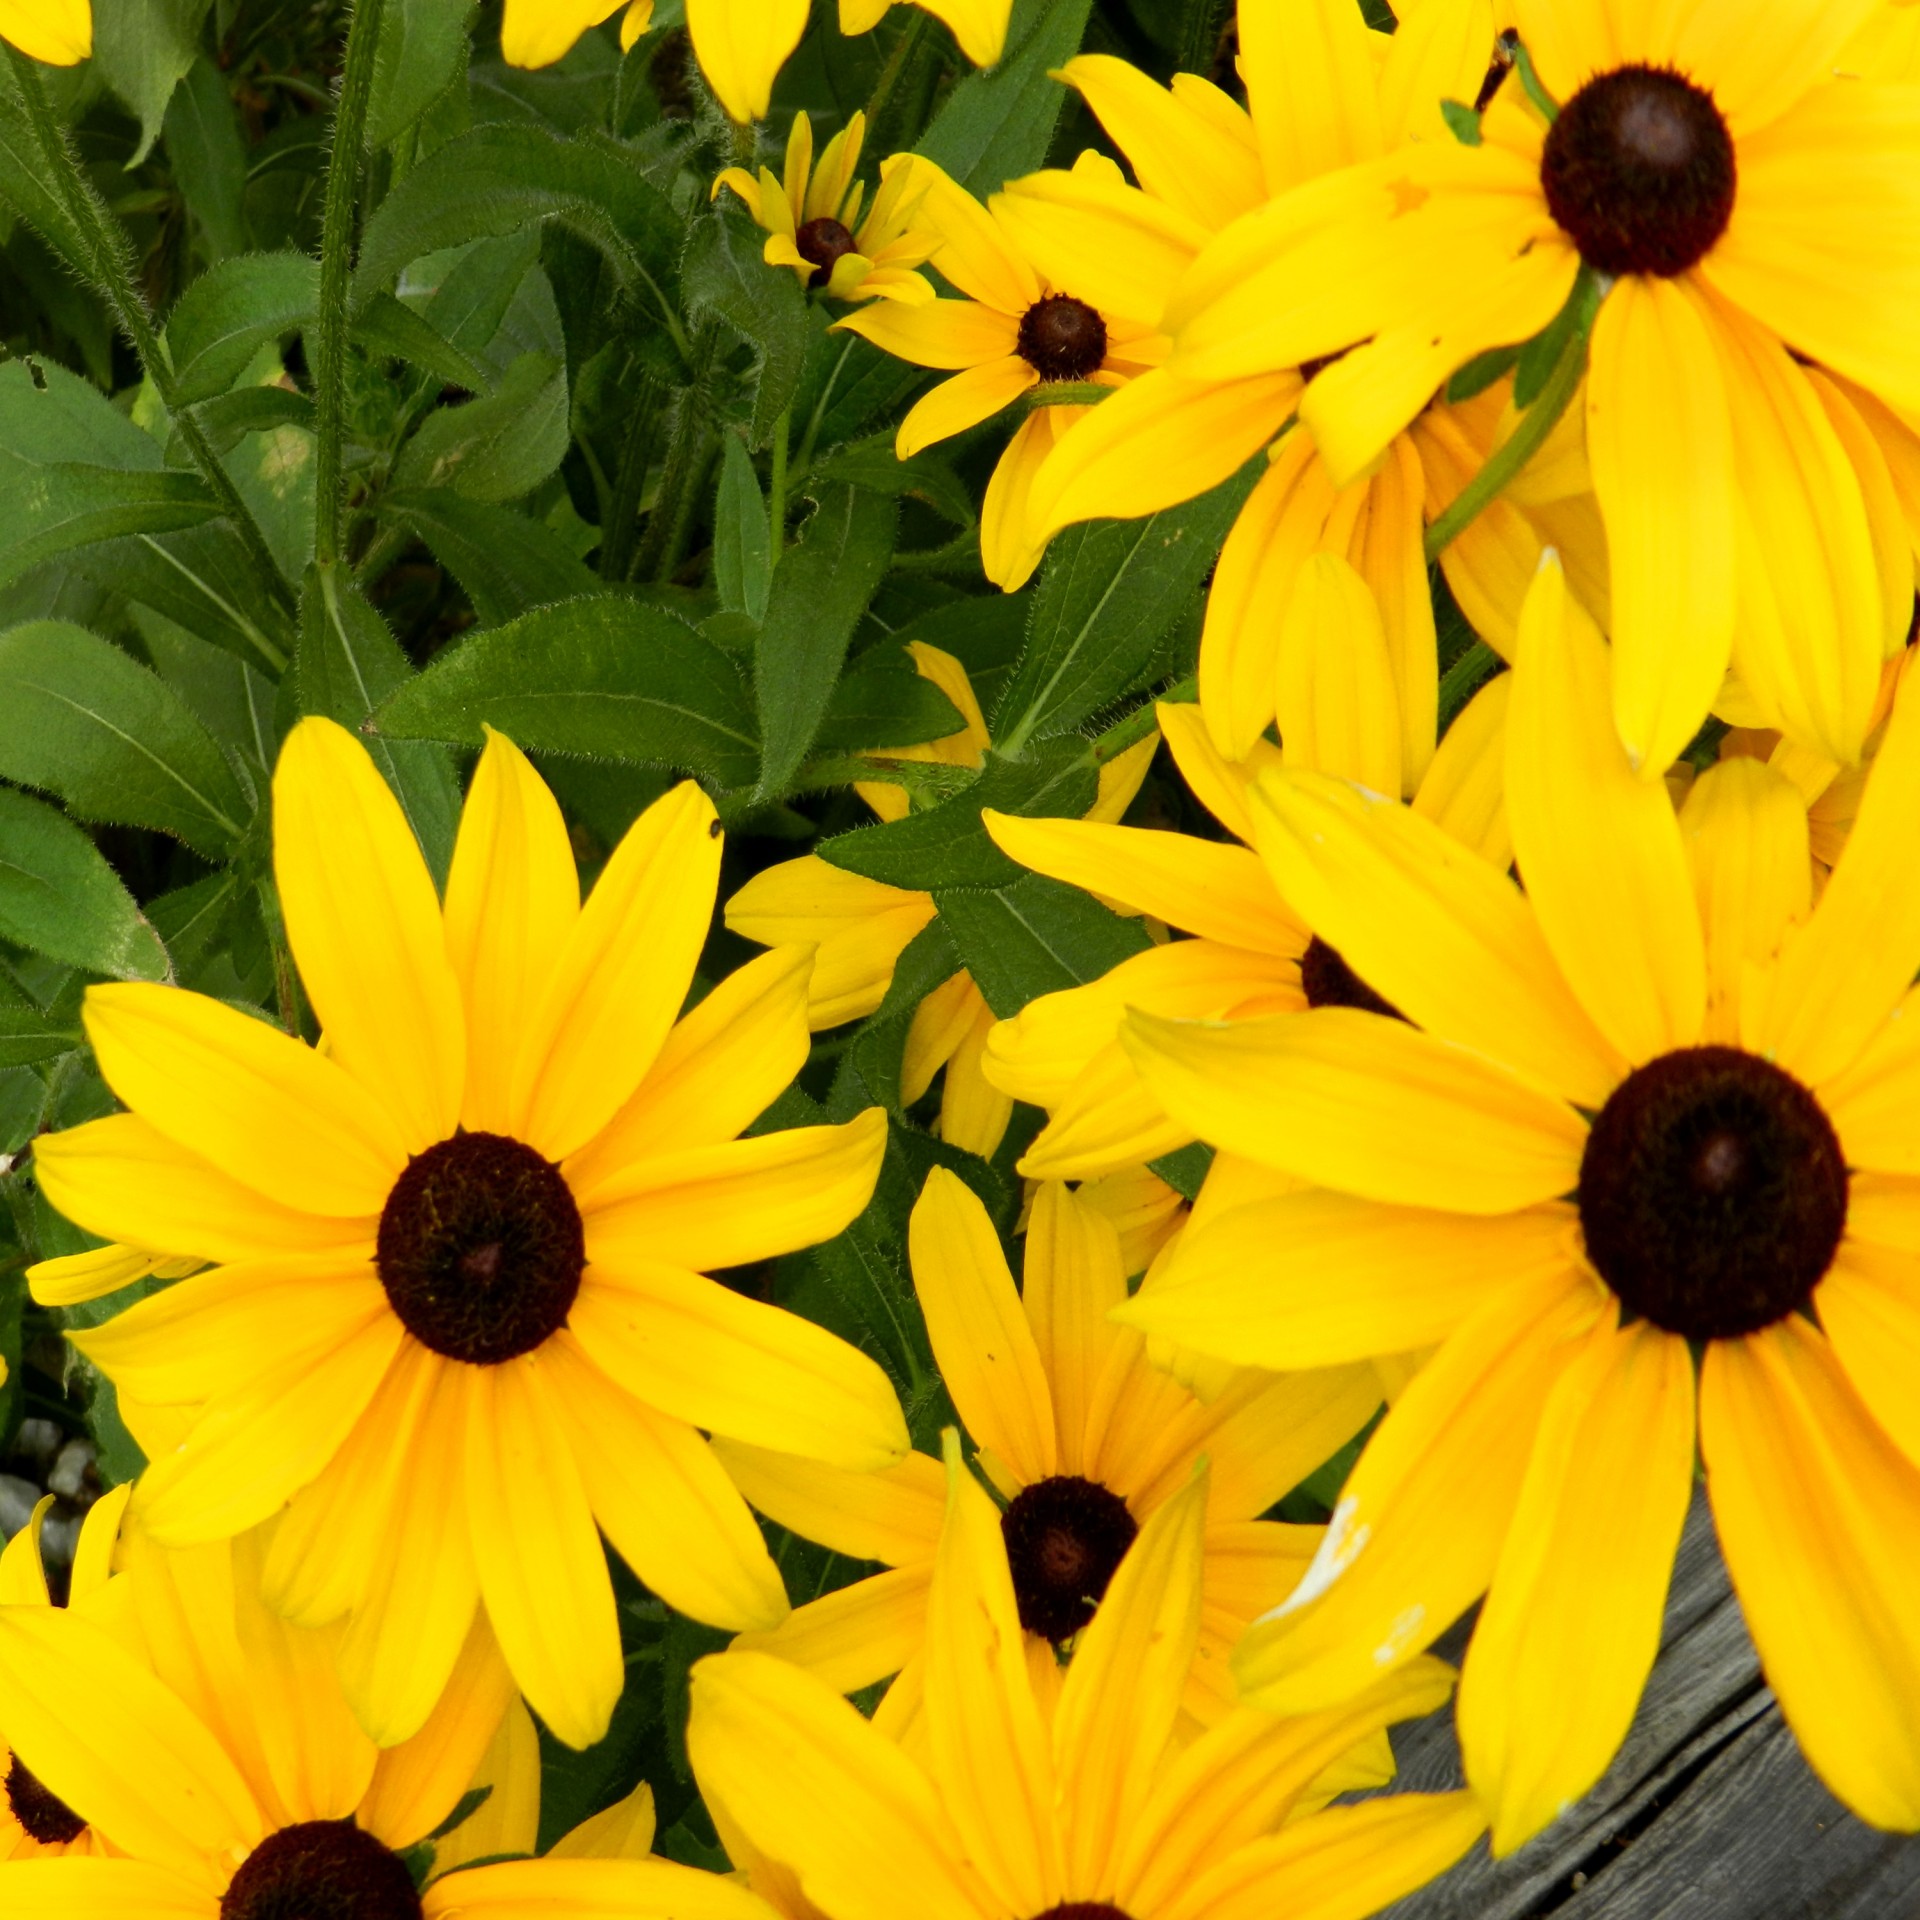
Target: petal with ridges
(952, 334)
(1336, 704)
(857, 1635)
(742, 45)
(590, 1890)
(894, 1515)
(964, 401)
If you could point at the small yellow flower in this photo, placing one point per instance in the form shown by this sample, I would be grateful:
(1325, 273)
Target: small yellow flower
(60, 32)
(1021, 327)
(1018, 1793)
(860, 927)
(812, 215)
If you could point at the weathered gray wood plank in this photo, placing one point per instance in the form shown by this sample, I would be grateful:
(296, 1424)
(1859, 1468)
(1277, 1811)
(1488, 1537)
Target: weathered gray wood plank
(1709, 1813)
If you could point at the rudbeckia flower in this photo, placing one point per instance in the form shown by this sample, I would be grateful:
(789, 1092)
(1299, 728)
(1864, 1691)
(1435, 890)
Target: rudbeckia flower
(859, 927)
(1753, 224)
(1081, 1437)
(1322, 90)
(1023, 1794)
(1249, 951)
(813, 223)
(226, 1779)
(60, 32)
(459, 1324)
(1644, 1165)
(1019, 328)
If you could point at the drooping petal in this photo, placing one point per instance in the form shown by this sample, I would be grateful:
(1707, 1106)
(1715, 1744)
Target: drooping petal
(60, 32)
(964, 401)
(536, 33)
(857, 1635)
(364, 924)
(1008, 552)
(1365, 1105)
(742, 45)
(894, 1515)
(1819, 1518)
(1571, 1623)
(1599, 850)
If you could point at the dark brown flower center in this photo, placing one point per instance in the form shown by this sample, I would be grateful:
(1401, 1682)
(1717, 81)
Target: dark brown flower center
(480, 1248)
(1062, 338)
(1712, 1193)
(321, 1870)
(1065, 1536)
(1639, 170)
(826, 243)
(1327, 981)
(43, 1816)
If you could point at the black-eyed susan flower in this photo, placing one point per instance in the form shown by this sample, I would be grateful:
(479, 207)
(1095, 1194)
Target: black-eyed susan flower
(1019, 1794)
(1743, 212)
(207, 1746)
(1322, 90)
(1082, 1438)
(1642, 1160)
(1249, 951)
(59, 32)
(459, 1314)
(1018, 328)
(812, 216)
(859, 927)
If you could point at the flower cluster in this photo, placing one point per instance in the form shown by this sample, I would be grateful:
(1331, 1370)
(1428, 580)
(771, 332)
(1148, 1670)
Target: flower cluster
(1336, 790)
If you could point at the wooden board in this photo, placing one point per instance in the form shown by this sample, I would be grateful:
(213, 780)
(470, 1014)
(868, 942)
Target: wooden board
(1709, 1812)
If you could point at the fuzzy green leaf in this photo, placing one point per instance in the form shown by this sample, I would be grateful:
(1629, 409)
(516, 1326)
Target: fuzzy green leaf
(59, 897)
(742, 549)
(1036, 936)
(226, 316)
(500, 446)
(506, 563)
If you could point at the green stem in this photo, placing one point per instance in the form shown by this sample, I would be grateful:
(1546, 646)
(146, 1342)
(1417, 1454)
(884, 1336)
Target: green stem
(777, 493)
(336, 277)
(686, 460)
(1521, 445)
(890, 75)
(1134, 727)
(1200, 35)
(111, 269)
(1066, 393)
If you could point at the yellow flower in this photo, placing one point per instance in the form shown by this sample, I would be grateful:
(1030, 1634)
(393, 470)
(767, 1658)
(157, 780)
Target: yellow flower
(59, 32)
(813, 223)
(978, 26)
(207, 1748)
(460, 1314)
(535, 33)
(1020, 327)
(859, 927)
(1752, 222)
(1660, 1105)
(1021, 1794)
(1078, 1433)
(1322, 89)
(1250, 953)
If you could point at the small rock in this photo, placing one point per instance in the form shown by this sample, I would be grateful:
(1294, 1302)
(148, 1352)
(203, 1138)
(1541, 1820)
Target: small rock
(36, 1443)
(59, 1541)
(18, 1498)
(68, 1477)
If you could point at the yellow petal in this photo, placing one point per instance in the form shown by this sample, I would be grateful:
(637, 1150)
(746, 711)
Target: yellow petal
(976, 252)
(1387, 546)
(1868, 1311)
(78, 1887)
(617, 985)
(1218, 783)
(1441, 56)
(623, 1831)
(1072, 1279)
(269, 1112)
(979, 26)
(1313, 90)
(742, 45)
(121, 1177)
(665, 1501)
(1429, 925)
(1366, 1105)
(1007, 552)
(943, 333)
(893, 1515)
(980, 1336)
(1420, 1524)
(536, 33)
(590, 1890)
(692, 1349)
(1218, 892)
(1818, 1517)
(817, 1788)
(964, 401)
(742, 1201)
(974, 1113)
(364, 924)
(508, 1819)
(1599, 850)
(857, 1635)
(1661, 442)
(23, 1577)
(1763, 57)
(1335, 700)
(1464, 791)
(71, 1279)
(1571, 1623)
(1316, 1279)
(512, 894)
(60, 32)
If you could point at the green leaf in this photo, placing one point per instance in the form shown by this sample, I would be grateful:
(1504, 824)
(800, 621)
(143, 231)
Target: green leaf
(31, 1033)
(391, 327)
(1480, 373)
(998, 123)
(59, 897)
(226, 316)
(819, 594)
(500, 446)
(421, 55)
(882, 700)
(742, 551)
(607, 678)
(725, 276)
(24, 187)
(1036, 936)
(228, 418)
(1462, 122)
(506, 563)
(948, 845)
(208, 158)
(347, 665)
(85, 722)
(873, 464)
(143, 49)
(509, 179)
(204, 579)
(1110, 589)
